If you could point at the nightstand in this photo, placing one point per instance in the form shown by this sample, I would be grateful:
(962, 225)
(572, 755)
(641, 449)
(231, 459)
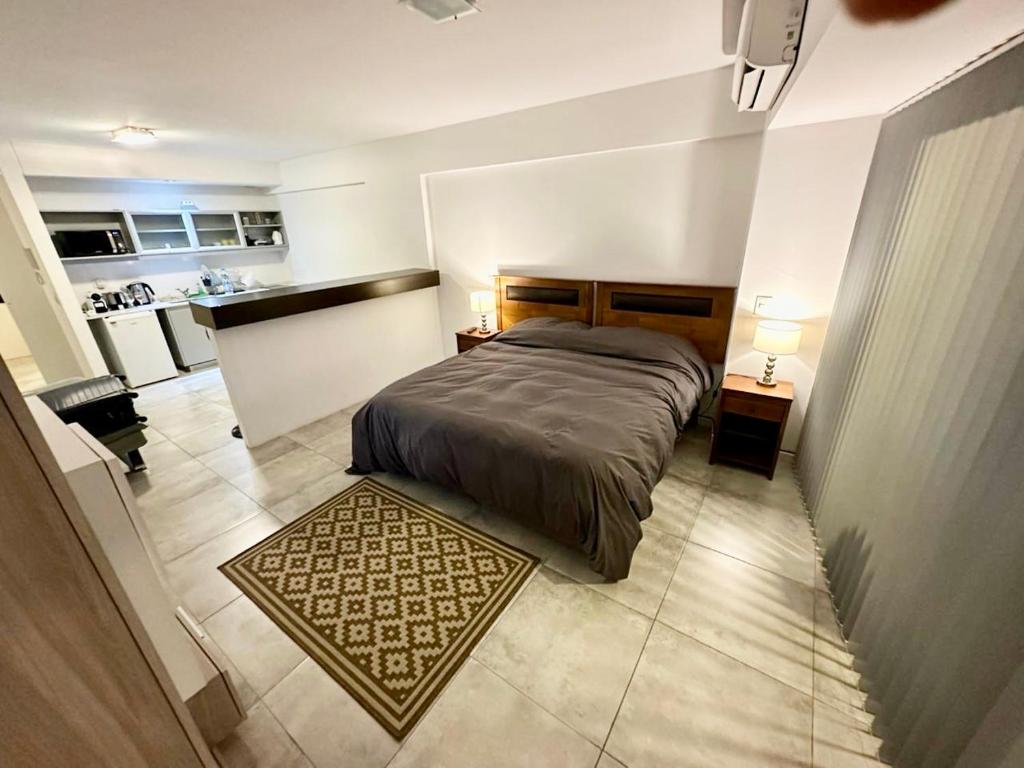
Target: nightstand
(751, 420)
(472, 337)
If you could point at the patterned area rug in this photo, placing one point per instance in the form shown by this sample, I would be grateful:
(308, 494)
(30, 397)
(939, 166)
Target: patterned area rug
(387, 595)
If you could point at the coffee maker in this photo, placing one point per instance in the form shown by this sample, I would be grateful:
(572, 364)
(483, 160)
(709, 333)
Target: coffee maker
(116, 300)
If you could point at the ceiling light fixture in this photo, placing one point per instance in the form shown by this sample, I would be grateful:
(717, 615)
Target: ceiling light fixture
(133, 135)
(441, 11)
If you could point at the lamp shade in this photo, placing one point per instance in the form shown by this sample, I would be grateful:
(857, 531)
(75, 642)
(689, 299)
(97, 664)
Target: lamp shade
(777, 337)
(482, 301)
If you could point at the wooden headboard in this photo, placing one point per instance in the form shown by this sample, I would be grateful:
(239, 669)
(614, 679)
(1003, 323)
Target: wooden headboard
(702, 314)
(519, 298)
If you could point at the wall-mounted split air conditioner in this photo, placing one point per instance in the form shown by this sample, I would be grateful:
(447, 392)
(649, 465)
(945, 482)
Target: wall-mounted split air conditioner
(765, 36)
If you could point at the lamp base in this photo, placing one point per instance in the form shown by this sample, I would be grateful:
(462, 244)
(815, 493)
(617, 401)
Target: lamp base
(483, 322)
(766, 380)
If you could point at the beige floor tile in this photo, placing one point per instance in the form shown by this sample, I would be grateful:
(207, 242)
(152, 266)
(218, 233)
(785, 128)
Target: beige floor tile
(158, 393)
(210, 437)
(840, 741)
(337, 446)
(765, 621)
(259, 649)
(284, 476)
(690, 460)
(607, 761)
(511, 532)
(676, 505)
(234, 458)
(452, 503)
(782, 491)
(569, 649)
(195, 381)
(163, 456)
(327, 724)
(764, 535)
(482, 721)
(835, 680)
(260, 742)
(820, 577)
(242, 688)
(184, 414)
(193, 521)
(154, 436)
(314, 494)
(325, 427)
(159, 489)
(689, 706)
(194, 575)
(649, 574)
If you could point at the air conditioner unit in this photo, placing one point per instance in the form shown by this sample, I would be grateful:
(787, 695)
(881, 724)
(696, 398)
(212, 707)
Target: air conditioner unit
(766, 44)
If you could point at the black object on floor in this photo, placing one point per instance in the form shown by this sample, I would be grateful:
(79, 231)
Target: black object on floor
(104, 408)
(236, 431)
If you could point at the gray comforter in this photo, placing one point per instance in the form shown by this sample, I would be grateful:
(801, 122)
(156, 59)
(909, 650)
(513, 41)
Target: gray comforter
(563, 427)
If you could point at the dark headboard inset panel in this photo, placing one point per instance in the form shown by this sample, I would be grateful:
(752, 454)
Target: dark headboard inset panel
(567, 297)
(689, 306)
(702, 314)
(520, 298)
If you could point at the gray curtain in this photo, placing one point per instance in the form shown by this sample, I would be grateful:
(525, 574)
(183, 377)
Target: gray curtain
(912, 452)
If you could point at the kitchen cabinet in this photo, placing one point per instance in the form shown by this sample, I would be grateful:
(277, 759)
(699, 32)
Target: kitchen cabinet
(216, 230)
(160, 232)
(156, 233)
(259, 228)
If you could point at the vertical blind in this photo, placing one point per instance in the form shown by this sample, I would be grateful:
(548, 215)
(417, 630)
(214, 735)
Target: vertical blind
(912, 455)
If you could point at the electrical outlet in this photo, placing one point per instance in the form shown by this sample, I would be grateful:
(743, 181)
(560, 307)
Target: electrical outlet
(189, 205)
(761, 304)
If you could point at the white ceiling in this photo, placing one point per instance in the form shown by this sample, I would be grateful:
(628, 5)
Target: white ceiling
(859, 69)
(269, 80)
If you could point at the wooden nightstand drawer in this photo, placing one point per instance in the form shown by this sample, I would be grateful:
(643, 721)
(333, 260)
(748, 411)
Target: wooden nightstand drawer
(756, 408)
(472, 337)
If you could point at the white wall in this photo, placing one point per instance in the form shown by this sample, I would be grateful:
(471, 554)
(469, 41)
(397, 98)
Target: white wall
(382, 222)
(12, 343)
(379, 225)
(40, 159)
(35, 286)
(165, 273)
(808, 195)
(673, 213)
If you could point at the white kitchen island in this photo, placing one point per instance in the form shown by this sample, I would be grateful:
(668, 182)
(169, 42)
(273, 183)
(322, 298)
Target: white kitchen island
(291, 356)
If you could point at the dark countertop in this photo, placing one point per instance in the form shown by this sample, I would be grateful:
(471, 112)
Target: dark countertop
(220, 312)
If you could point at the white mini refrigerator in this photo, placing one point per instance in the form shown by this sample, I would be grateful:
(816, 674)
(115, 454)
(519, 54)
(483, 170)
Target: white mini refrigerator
(189, 342)
(134, 345)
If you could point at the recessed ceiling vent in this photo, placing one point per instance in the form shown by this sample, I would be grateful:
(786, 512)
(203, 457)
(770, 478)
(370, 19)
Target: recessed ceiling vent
(441, 11)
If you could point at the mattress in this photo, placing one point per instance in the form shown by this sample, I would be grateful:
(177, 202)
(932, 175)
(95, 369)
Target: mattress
(562, 426)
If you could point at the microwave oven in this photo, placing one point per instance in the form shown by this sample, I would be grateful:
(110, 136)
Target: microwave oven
(76, 244)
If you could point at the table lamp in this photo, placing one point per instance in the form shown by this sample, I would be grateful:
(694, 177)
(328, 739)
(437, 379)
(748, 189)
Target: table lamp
(776, 337)
(482, 302)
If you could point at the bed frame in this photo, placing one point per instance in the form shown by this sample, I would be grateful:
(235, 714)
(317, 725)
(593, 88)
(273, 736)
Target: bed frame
(519, 298)
(700, 313)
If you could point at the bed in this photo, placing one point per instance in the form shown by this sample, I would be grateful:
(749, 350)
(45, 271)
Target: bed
(568, 418)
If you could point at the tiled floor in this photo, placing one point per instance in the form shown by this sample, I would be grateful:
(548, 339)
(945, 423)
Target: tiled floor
(720, 649)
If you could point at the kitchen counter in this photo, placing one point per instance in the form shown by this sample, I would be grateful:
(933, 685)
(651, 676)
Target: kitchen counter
(144, 308)
(290, 356)
(230, 311)
(176, 302)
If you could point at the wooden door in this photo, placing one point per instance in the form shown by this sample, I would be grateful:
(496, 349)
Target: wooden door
(80, 683)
